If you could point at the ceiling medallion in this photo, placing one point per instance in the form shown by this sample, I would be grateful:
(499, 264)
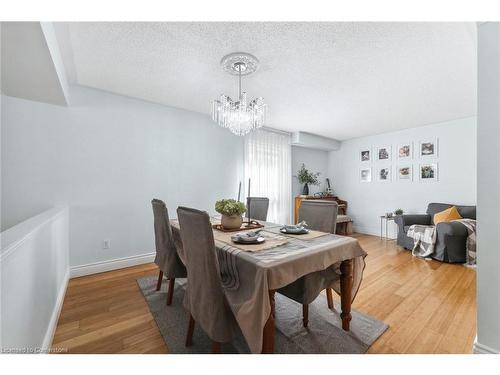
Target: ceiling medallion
(239, 116)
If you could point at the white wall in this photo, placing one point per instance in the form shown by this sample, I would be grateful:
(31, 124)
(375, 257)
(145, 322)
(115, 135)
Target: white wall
(488, 202)
(31, 64)
(106, 157)
(315, 161)
(367, 201)
(34, 263)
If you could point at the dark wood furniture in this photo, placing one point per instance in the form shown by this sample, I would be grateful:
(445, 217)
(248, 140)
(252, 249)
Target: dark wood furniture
(171, 285)
(268, 330)
(346, 278)
(298, 200)
(216, 346)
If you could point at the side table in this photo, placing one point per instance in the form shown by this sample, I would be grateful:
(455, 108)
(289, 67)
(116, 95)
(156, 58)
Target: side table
(387, 219)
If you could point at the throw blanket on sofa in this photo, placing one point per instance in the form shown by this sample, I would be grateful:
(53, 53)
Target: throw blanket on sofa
(424, 238)
(470, 224)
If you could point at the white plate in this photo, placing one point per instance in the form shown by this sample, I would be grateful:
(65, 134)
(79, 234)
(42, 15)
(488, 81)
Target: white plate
(242, 240)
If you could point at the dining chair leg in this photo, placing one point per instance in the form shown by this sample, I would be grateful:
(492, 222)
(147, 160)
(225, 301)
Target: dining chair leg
(189, 337)
(305, 315)
(329, 297)
(170, 294)
(216, 347)
(160, 279)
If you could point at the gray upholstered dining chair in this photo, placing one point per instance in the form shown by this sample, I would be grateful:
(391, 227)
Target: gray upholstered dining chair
(167, 258)
(320, 215)
(257, 206)
(204, 298)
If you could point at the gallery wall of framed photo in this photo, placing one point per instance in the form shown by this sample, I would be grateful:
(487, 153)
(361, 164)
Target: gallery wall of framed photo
(408, 161)
(406, 169)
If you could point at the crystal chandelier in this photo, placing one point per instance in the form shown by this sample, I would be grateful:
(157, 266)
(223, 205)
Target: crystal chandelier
(241, 116)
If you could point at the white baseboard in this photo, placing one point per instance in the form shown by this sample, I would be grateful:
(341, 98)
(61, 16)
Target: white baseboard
(365, 230)
(483, 349)
(51, 329)
(371, 231)
(110, 265)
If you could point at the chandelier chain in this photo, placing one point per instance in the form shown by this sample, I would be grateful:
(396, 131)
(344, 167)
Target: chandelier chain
(239, 75)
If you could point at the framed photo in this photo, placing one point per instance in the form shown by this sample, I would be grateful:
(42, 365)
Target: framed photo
(384, 153)
(365, 175)
(428, 148)
(365, 155)
(384, 174)
(428, 172)
(405, 151)
(404, 173)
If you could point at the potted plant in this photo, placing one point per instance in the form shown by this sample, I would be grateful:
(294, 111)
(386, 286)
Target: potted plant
(231, 211)
(398, 211)
(307, 178)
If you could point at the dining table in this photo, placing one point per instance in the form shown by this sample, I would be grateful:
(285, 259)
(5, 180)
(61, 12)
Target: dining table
(252, 274)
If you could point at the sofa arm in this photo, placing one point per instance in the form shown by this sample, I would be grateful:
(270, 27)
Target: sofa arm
(406, 220)
(451, 228)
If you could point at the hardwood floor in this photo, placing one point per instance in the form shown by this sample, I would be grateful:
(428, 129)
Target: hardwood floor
(430, 306)
(107, 313)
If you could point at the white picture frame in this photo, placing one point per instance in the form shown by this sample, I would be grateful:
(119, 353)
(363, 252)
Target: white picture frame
(431, 170)
(428, 148)
(384, 174)
(365, 155)
(404, 173)
(365, 174)
(404, 151)
(384, 153)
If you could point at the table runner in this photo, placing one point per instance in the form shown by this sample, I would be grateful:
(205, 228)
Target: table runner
(247, 277)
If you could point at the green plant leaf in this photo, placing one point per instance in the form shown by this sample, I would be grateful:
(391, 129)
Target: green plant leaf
(306, 177)
(230, 207)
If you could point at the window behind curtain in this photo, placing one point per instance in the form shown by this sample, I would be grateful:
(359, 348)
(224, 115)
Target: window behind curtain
(268, 165)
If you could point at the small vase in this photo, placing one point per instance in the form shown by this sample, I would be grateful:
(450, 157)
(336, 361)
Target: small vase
(231, 222)
(305, 189)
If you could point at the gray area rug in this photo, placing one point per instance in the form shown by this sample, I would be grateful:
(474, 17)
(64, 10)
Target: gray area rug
(323, 335)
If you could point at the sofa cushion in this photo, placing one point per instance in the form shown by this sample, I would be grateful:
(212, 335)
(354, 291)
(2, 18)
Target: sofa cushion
(446, 215)
(467, 212)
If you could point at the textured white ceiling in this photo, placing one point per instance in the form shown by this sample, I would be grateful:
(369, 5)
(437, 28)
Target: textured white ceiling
(340, 80)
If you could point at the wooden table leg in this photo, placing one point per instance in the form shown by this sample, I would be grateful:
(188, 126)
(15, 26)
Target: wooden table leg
(269, 329)
(346, 292)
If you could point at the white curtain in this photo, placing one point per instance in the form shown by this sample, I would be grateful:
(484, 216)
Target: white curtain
(268, 165)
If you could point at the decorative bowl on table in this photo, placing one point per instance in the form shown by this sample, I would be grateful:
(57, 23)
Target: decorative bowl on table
(231, 222)
(299, 228)
(247, 238)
